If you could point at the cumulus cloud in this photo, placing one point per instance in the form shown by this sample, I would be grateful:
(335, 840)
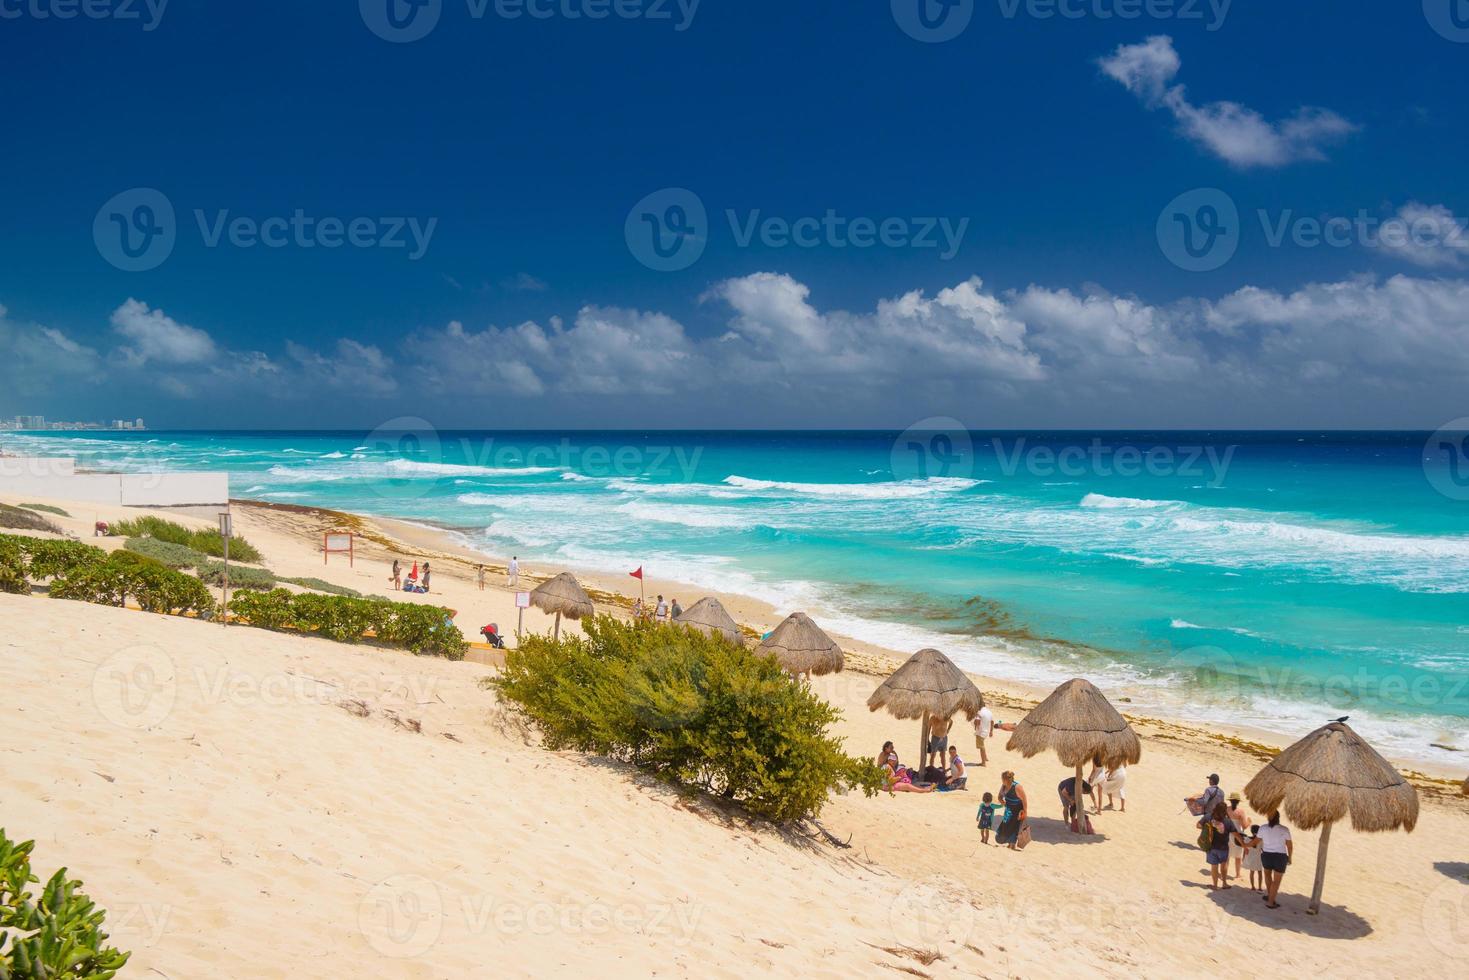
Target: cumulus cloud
(155, 336)
(1233, 132)
(38, 358)
(1428, 236)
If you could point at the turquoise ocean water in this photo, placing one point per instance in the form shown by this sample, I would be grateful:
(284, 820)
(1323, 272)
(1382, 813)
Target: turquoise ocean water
(1269, 579)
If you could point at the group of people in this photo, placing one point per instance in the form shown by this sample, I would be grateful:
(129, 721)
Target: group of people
(1265, 853)
(942, 769)
(417, 581)
(657, 612)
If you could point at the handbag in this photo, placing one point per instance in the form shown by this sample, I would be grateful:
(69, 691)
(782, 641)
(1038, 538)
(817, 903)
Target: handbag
(1023, 838)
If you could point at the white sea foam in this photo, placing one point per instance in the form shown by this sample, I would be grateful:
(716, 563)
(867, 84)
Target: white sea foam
(868, 491)
(1104, 502)
(687, 515)
(409, 467)
(335, 455)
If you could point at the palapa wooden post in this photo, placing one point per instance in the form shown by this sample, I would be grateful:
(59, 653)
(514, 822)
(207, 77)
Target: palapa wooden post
(1076, 798)
(1315, 905)
(923, 748)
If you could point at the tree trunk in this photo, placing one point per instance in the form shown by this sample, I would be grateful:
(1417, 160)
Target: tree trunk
(923, 748)
(1076, 798)
(1315, 905)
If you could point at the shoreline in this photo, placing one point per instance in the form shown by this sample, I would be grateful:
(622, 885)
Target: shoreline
(864, 657)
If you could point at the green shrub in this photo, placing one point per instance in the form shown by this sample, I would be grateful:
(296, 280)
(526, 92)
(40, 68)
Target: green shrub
(47, 508)
(13, 566)
(692, 709)
(50, 559)
(318, 585)
(206, 540)
(55, 934)
(156, 587)
(241, 576)
(24, 520)
(172, 555)
(420, 629)
(338, 618)
(267, 610)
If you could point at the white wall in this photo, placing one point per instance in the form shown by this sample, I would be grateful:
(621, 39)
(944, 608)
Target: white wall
(57, 479)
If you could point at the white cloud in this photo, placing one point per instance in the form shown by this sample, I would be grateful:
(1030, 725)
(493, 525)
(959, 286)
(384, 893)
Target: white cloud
(1233, 132)
(158, 337)
(1428, 236)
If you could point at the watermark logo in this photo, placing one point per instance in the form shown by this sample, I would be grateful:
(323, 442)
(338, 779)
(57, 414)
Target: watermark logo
(148, 13)
(668, 230)
(401, 21)
(1446, 918)
(135, 231)
(402, 916)
(135, 687)
(410, 450)
(1216, 11)
(932, 913)
(933, 21)
(1199, 230)
(935, 448)
(1450, 18)
(1446, 459)
(1103, 459)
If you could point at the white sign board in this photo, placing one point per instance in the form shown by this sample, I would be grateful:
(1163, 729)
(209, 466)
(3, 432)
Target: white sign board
(339, 542)
(522, 600)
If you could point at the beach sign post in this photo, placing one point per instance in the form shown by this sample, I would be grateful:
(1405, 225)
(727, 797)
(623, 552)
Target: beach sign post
(522, 603)
(337, 542)
(225, 527)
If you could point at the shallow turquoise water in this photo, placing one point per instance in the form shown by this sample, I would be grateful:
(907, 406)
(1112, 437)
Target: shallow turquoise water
(1276, 579)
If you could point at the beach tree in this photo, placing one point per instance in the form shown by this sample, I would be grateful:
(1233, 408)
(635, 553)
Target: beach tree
(1326, 776)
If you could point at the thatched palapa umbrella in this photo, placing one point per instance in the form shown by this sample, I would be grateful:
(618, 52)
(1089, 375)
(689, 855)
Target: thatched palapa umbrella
(927, 685)
(1078, 723)
(1325, 776)
(802, 648)
(562, 595)
(708, 616)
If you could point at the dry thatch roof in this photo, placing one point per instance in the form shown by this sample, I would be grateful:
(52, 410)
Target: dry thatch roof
(708, 616)
(801, 647)
(562, 594)
(929, 682)
(1328, 774)
(1078, 722)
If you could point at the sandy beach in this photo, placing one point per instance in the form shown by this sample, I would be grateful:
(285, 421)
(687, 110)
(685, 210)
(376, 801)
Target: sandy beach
(253, 803)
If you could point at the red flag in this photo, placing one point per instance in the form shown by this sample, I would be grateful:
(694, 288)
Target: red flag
(637, 574)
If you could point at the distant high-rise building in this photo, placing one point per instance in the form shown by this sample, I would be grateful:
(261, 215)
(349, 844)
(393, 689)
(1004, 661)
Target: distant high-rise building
(139, 424)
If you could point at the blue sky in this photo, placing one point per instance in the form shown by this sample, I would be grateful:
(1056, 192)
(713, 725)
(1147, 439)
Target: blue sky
(519, 146)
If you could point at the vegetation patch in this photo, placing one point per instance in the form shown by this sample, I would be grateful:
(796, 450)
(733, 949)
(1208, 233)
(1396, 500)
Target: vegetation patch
(170, 554)
(319, 585)
(154, 586)
(56, 933)
(206, 540)
(21, 519)
(47, 508)
(347, 619)
(691, 709)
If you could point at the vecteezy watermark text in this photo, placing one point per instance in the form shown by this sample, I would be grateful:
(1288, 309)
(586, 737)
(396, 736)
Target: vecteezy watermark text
(148, 13)
(935, 21)
(137, 230)
(404, 21)
(668, 231)
(1098, 458)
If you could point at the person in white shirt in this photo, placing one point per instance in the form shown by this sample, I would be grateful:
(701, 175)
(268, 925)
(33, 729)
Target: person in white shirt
(660, 612)
(984, 727)
(957, 777)
(512, 572)
(1276, 851)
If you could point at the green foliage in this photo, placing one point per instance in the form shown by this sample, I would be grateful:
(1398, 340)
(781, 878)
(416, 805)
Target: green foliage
(56, 934)
(156, 587)
(206, 540)
(50, 559)
(319, 585)
(695, 710)
(47, 508)
(172, 555)
(241, 576)
(420, 629)
(24, 520)
(13, 566)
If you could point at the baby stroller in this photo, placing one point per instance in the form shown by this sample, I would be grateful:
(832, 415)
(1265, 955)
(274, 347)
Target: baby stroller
(492, 636)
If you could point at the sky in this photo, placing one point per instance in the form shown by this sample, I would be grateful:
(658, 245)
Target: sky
(735, 213)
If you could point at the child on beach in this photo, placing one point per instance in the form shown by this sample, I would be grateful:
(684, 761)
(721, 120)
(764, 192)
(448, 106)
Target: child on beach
(1252, 861)
(986, 817)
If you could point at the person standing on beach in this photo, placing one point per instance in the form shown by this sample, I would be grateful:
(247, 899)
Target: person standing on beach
(1276, 851)
(1212, 796)
(512, 572)
(938, 741)
(1222, 834)
(1016, 810)
(425, 576)
(660, 612)
(1236, 844)
(479, 576)
(984, 727)
(397, 577)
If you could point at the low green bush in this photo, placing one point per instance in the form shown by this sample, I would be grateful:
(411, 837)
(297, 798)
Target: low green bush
(206, 540)
(47, 508)
(172, 555)
(24, 520)
(156, 587)
(50, 559)
(55, 934)
(13, 566)
(319, 585)
(692, 709)
(241, 576)
(420, 629)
